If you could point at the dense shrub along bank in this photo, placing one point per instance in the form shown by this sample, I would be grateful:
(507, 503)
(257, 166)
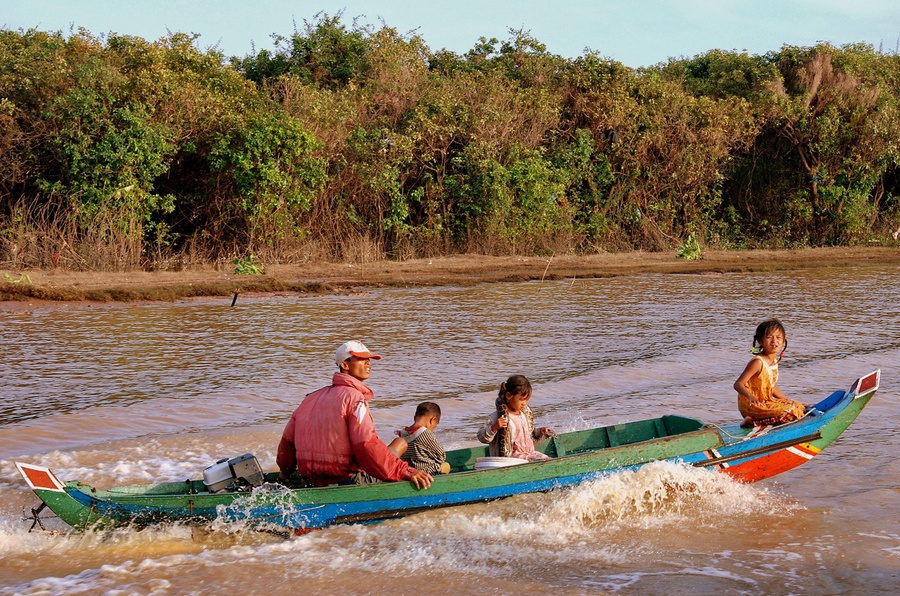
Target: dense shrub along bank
(358, 143)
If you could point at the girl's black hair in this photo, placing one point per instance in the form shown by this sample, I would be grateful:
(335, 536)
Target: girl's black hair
(515, 385)
(762, 330)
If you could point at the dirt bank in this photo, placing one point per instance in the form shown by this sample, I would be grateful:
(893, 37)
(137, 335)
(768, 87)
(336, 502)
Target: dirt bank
(55, 286)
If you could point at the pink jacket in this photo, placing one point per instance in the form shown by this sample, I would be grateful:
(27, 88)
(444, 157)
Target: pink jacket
(332, 435)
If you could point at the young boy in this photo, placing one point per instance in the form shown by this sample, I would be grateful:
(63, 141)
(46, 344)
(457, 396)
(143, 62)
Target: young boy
(422, 450)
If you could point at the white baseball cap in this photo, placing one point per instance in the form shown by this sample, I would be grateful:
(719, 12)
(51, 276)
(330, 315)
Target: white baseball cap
(353, 348)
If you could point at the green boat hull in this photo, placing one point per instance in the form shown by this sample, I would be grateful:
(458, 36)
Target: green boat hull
(745, 454)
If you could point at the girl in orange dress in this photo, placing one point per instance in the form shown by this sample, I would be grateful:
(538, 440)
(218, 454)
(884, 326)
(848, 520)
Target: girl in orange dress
(760, 401)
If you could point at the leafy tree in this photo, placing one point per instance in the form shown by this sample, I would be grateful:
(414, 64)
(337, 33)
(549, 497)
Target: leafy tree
(507, 203)
(352, 141)
(843, 134)
(325, 52)
(720, 75)
(270, 168)
(660, 153)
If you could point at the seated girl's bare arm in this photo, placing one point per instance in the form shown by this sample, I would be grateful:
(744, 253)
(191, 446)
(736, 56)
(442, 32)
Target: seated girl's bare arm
(751, 370)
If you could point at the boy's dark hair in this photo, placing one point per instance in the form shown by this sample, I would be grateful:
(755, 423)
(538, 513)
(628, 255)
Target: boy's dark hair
(428, 408)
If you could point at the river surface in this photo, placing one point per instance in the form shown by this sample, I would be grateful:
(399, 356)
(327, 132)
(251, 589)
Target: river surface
(130, 394)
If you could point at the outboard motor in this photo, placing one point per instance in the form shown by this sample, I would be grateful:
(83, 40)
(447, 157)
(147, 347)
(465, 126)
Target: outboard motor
(236, 473)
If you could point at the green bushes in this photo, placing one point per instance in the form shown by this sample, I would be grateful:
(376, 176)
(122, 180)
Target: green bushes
(360, 143)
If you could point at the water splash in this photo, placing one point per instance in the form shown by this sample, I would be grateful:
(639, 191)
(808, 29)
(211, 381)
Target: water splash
(662, 493)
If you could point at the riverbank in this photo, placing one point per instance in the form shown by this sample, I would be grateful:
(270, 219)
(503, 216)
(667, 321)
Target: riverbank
(30, 287)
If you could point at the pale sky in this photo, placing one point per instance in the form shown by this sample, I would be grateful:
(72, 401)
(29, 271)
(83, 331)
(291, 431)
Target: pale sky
(635, 33)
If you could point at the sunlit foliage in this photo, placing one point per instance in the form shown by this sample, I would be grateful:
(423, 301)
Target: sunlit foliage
(350, 141)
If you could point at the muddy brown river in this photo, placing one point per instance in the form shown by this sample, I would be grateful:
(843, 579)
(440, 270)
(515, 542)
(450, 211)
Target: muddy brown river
(128, 394)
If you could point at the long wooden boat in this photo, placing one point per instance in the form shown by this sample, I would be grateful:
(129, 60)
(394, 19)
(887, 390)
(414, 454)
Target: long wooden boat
(745, 454)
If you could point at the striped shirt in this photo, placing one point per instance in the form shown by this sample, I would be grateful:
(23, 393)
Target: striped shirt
(424, 451)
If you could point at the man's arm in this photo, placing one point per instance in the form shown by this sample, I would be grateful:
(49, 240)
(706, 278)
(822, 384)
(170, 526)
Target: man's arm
(373, 456)
(287, 455)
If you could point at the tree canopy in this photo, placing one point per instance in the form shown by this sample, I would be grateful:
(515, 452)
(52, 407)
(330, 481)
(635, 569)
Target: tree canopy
(349, 141)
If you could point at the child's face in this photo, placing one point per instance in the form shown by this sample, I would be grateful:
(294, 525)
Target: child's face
(773, 342)
(431, 423)
(515, 403)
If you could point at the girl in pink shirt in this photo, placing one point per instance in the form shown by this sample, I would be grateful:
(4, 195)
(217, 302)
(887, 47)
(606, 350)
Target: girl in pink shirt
(510, 429)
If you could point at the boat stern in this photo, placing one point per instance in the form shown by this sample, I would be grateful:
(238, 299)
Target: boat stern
(55, 495)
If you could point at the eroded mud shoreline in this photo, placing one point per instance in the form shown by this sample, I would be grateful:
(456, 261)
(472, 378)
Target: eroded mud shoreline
(58, 286)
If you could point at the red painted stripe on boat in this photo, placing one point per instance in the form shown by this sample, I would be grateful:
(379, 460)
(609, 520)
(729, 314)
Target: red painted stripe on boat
(772, 464)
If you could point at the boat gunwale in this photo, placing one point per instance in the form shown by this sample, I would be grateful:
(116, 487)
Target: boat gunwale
(443, 484)
(346, 504)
